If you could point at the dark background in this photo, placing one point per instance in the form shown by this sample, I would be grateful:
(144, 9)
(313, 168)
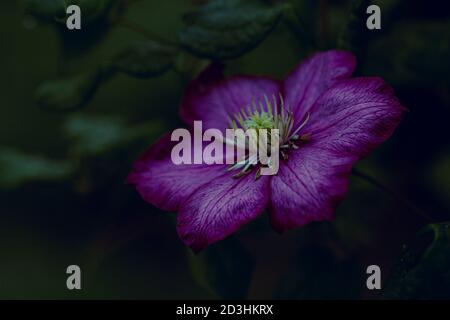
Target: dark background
(63, 199)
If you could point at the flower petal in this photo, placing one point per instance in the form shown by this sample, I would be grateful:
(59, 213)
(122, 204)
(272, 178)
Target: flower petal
(347, 122)
(218, 209)
(218, 102)
(164, 184)
(310, 79)
(355, 116)
(308, 186)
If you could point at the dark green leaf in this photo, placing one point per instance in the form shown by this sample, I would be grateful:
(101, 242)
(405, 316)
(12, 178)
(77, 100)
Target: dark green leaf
(423, 270)
(46, 9)
(93, 9)
(94, 22)
(142, 60)
(145, 59)
(224, 269)
(55, 10)
(17, 168)
(70, 93)
(225, 29)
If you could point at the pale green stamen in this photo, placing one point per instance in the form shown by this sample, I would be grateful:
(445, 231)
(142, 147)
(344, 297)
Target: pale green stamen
(268, 115)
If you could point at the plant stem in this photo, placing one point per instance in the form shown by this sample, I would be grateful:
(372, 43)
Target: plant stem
(148, 34)
(391, 193)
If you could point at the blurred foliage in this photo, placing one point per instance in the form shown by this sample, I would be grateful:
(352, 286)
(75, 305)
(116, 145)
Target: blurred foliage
(145, 59)
(49, 10)
(55, 10)
(216, 30)
(91, 137)
(418, 54)
(141, 60)
(70, 93)
(423, 271)
(18, 168)
(98, 135)
(224, 29)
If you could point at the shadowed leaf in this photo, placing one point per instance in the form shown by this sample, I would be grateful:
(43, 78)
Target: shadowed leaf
(225, 29)
(70, 93)
(55, 10)
(145, 59)
(46, 9)
(96, 135)
(17, 168)
(423, 270)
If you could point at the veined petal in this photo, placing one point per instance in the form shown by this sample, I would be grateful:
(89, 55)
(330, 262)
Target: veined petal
(218, 209)
(355, 116)
(308, 186)
(313, 77)
(166, 185)
(347, 123)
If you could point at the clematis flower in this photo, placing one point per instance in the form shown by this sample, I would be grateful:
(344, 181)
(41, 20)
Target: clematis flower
(329, 122)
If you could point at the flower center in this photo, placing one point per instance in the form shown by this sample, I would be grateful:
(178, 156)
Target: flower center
(268, 115)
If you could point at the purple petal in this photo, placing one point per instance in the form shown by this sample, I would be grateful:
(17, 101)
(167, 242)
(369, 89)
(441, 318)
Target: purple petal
(221, 100)
(310, 79)
(355, 116)
(220, 208)
(347, 122)
(164, 184)
(308, 186)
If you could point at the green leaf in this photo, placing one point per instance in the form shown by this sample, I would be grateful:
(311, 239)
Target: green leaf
(225, 29)
(92, 10)
(17, 168)
(316, 273)
(423, 270)
(94, 21)
(97, 135)
(70, 93)
(55, 10)
(224, 269)
(145, 59)
(46, 9)
(142, 60)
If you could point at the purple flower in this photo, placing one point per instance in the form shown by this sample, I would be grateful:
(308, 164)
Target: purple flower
(332, 121)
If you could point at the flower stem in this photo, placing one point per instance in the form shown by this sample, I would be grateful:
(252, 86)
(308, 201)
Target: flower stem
(391, 193)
